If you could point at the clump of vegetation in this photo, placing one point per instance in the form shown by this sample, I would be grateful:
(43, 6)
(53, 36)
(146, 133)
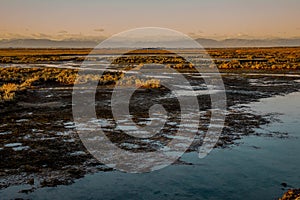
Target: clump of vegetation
(28, 82)
(291, 194)
(257, 58)
(151, 83)
(138, 82)
(8, 91)
(138, 58)
(16, 79)
(66, 77)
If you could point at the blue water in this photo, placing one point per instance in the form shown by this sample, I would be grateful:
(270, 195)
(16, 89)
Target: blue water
(254, 169)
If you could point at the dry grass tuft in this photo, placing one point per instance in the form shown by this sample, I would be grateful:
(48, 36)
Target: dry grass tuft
(8, 91)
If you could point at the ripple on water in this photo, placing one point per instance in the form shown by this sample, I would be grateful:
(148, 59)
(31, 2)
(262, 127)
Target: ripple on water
(22, 120)
(69, 140)
(65, 133)
(5, 133)
(77, 153)
(16, 146)
(13, 144)
(69, 125)
(21, 148)
(130, 145)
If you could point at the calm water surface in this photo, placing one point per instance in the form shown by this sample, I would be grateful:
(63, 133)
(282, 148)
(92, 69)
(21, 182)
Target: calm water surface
(254, 169)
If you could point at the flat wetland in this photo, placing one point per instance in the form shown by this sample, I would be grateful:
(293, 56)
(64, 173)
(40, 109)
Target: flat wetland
(40, 147)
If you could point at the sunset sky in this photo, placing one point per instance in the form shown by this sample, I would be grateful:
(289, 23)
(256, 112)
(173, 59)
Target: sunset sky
(92, 19)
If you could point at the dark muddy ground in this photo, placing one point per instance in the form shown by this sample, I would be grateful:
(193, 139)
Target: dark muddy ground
(40, 146)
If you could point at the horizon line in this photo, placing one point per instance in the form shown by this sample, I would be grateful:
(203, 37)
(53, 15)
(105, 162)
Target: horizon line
(195, 38)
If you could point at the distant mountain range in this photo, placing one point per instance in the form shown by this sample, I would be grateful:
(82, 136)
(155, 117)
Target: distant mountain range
(249, 42)
(207, 43)
(46, 43)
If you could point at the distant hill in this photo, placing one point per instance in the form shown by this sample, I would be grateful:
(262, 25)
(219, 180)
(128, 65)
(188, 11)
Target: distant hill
(248, 42)
(207, 43)
(46, 43)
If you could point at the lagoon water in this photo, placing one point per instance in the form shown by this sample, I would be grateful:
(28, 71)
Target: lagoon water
(254, 169)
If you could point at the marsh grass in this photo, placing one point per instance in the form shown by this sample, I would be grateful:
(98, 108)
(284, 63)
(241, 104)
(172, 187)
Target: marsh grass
(133, 81)
(15, 80)
(8, 91)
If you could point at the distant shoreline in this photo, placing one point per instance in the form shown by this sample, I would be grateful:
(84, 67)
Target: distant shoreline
(204, 42)
(275, 59)
(85, 51)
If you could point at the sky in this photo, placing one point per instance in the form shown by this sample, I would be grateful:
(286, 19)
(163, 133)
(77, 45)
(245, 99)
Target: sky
(94, 19)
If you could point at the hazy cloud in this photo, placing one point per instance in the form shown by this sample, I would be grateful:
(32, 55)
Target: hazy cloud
(99, 30)
(62, 32)
(41, 35)
(198, 33)
(192, 34)
(61, 35)
(13, 35)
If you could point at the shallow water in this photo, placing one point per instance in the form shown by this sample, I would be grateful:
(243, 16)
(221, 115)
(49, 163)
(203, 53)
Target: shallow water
(254, 169)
